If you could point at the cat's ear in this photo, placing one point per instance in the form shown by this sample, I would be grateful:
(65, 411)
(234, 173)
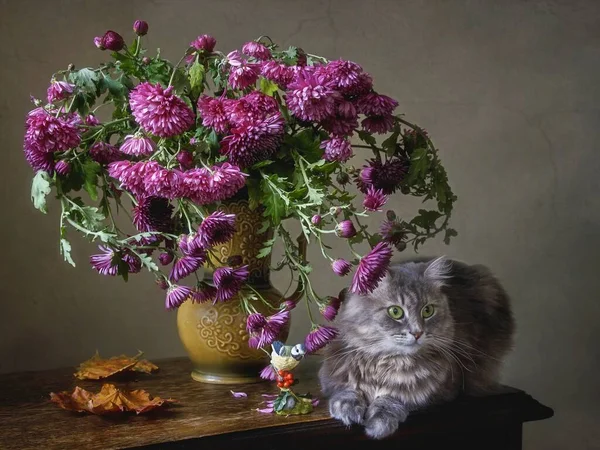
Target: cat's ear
(438, 271)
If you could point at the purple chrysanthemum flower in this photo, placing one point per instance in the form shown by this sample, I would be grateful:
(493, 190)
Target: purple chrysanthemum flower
(345, 120)
(337, 149)
(131, 175)
(250, 108)
(378, 124)
(165, 258)
(204, 293)
(288, 305)
(62, 167)
(373, 104)
(153, 214)
(140, 27)
(391, 231)
(104, 153)
(316, 219)
(265, 330)
(277, 72)
(112, 41)
(212, 112)
(255, 141)
(330, 310)
(159, 111)
(217, 228)
(137, 145)
(371, 269)
(228, 281)
(311, 96)
(59, 90)
(256, 50)
(47, 133)
(319, 337)
(374, 199)
(205, 186)
(204, 43)
(190, 245)
(39, 160)
(268, 373)
(348, 77)
(107, 262)
(242, 74)
(185, 266)
(176, 295)
(91, 120)
(345, 229)
(164, 183)
(341, 267)
(134, 264)
(387, 176)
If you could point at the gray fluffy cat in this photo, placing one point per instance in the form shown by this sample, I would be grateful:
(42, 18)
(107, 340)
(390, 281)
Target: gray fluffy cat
(431, 330)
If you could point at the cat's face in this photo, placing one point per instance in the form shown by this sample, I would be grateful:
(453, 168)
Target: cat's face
(406, 314)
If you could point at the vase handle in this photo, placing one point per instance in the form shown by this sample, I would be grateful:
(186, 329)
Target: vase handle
(299, 292)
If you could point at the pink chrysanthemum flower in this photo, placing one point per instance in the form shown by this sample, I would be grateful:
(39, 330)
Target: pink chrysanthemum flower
(134, 264)
(104, 153)
(107, 262)
(59, 90)
(330, 310)
(319, 337)
(378, 124)
(374, 199)
(341, 267)
(159, 111)
(185, 266)
(371, 269)
(212, 112)
(91, 120)
(229, 281)
(265, 330)
(250, 108)
(47, 133)
(254, 142)
(337, 149)
(137, 145)
(217, 228)
(387, 176)
(345, 120)
(277, 72)
(242, 74)
(373, 104)
(164, 183)
(176, 295)
(256, 50)
(131, 175)
(153, 214)
(345, 229)
(39, 160)
(347, 76)
(311, 96)
(204, 43)
(205, 186)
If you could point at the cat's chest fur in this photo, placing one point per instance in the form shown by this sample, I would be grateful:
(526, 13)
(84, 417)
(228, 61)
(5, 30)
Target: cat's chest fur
(413, 381)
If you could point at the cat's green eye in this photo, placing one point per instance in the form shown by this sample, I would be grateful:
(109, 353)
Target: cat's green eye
(427, 311)
(395, 312)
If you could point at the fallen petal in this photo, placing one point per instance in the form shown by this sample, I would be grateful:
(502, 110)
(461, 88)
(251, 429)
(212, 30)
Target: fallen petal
(315, 402)
(269, 395)
(239, 394)
(265, 410)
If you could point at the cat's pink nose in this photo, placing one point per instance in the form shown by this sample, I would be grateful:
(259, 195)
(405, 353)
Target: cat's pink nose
(416, 334)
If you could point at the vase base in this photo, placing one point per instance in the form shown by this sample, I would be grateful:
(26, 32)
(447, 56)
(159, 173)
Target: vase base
(224, 379)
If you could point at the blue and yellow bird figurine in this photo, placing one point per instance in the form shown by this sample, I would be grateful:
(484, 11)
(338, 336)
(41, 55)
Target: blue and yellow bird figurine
(286, 357)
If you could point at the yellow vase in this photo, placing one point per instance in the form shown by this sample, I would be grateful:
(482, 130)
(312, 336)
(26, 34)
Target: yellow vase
(215, 336)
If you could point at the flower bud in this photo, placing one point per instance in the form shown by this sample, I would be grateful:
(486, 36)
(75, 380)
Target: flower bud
(113, 41)
(185, 159)
(345, 229)
(62, 167)
(316, 219)
(146, 60)
(165, 258)
(391, 215)
(140, 27)
(98, 43)
(342, 178)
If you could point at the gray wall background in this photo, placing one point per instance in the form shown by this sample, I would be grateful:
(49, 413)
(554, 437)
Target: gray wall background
(507, 89)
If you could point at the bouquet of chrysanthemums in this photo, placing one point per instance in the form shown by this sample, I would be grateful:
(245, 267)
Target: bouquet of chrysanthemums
(167, 144)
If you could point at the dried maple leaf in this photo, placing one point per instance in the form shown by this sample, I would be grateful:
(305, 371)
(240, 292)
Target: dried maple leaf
(97, 368)
(109, 400)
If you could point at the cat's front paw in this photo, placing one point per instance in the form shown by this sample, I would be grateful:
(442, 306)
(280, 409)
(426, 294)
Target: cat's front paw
(348, 407)
(382, 421)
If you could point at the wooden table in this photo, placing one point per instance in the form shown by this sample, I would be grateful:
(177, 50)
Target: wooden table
(208, 416)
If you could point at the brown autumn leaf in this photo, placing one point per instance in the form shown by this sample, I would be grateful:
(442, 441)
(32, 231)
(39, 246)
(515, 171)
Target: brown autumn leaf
(109, 400)
(97, 368)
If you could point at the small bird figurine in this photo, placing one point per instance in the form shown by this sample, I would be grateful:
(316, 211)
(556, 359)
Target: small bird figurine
(286, 357)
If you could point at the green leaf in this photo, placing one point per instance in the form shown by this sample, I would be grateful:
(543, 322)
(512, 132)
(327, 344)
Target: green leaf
(213, 140)
(91, 169)
(267, 87)
(254, 193)
(91, 218)
(366, 137)
(148, 262)
(426, 219)
(375, 239)
(274, 202)
(419, 165)
(315, 196)
(40, 188)
(196, 75)
(85, 79)
(266, 250)
(266, 162)
(180, 82)
(389, 145)
(281, 400)
(65, 250)
(115, 88)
